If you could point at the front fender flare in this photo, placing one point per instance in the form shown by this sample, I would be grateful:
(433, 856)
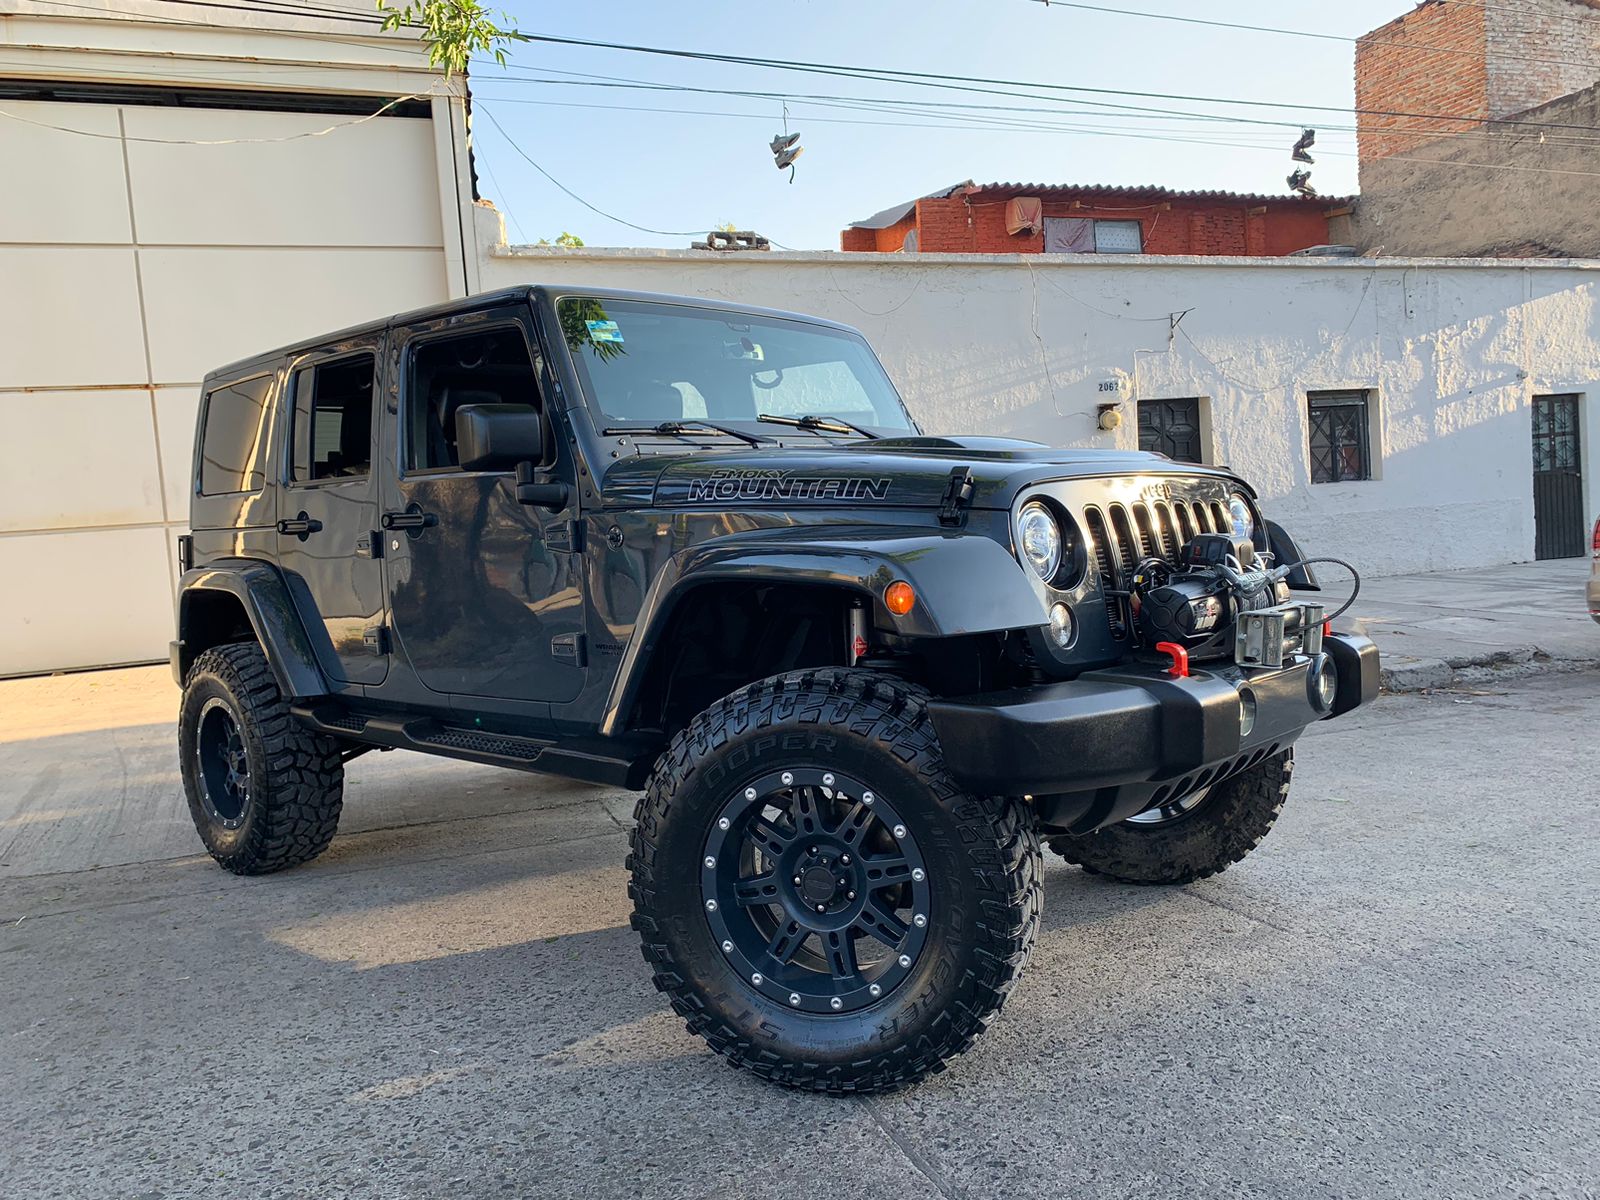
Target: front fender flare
(264, 596)
(964, 583)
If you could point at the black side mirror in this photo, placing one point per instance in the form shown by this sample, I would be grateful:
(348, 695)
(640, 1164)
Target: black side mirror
(496, 437)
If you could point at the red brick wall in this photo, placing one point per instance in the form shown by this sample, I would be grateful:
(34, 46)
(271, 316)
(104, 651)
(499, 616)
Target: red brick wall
(885, 241)
(1394, 75)
(953, 226)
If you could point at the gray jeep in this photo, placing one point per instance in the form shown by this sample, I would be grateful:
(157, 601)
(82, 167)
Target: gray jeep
(703, 551)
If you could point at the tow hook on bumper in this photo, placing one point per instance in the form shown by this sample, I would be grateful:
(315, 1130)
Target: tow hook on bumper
(1098, 747)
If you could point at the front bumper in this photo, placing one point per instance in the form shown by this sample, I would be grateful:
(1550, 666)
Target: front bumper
(1113, 743)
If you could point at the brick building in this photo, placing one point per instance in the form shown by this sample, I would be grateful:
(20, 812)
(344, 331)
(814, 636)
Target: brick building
(1481, 62)
(1038, 218)
(1511, 177)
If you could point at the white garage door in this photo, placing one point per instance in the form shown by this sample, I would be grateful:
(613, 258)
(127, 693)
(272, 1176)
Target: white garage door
(144, 239)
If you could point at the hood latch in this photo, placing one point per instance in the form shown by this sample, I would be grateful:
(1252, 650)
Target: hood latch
(957, 496)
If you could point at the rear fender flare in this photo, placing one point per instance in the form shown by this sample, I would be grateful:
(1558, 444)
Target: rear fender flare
(964, 584)
(262, 593)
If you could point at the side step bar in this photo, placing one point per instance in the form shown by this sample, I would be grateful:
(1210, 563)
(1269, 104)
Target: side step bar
(616, 762)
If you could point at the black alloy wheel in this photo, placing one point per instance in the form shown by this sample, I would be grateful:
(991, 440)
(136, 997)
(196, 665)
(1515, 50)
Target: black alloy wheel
(816, 890)
(222, 765)
(817, 896)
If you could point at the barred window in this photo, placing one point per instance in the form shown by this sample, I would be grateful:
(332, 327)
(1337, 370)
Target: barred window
(1340, 436)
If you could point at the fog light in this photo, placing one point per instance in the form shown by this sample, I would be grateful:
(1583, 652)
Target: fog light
(1247, 712)
(1324, 682)
(1062, 628)
(898, 597)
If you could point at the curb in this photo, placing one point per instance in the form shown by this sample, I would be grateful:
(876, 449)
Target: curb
(1513, 662)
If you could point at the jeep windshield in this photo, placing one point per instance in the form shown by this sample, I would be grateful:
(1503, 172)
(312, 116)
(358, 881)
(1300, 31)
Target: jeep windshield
(686, 371)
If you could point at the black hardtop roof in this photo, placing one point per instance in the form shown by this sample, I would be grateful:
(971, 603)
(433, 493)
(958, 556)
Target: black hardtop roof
(521, 292)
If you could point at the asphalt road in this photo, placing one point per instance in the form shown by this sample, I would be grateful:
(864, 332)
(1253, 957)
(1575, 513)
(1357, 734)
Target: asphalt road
(1398, 995)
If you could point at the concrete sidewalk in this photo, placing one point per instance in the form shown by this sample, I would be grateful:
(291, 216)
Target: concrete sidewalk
(1469, 627)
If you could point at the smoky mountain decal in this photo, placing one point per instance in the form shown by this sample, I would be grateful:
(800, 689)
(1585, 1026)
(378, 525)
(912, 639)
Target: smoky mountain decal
(775, 485)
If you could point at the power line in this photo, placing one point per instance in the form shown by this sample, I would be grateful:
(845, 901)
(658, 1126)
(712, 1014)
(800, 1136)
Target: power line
(966, 82)
(1305, 33)
(486, 111)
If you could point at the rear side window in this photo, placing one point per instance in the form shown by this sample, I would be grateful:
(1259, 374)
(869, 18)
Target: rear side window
(333, 419)
(233, 448)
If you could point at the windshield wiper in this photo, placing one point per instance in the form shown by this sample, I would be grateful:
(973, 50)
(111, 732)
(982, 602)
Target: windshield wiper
(683, 428)
(818, 423)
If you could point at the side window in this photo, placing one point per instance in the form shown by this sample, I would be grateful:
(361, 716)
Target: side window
(333, 419)
(490, 366)
(233, 448)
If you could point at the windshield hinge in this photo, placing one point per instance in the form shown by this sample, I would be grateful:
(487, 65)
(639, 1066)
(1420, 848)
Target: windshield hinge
(566, 536)
(957, 495)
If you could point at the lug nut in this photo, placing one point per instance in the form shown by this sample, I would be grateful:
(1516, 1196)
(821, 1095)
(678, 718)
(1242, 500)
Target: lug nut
(756, 979)
(710, 862)
(711, 906)
(797, 881)
(727, 947)
(918, 874)
(822, 908)
(919, 920)
(844, 860)
(836, 1003)
(843, 881)
(905, 960)
(812, 850)
(849, 895)
(794, 998)
(875, 990)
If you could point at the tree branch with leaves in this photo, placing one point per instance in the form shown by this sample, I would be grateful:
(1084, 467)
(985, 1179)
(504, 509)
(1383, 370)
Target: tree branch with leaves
(455, 30)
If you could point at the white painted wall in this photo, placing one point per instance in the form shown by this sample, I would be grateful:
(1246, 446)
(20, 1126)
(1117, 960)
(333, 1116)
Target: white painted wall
(1021, 345)
(142, 246)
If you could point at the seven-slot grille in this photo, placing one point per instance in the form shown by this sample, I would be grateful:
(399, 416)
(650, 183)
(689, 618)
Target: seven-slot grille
(1122, 535)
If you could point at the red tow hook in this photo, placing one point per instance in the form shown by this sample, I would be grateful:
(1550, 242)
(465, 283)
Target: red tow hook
(1179, 656)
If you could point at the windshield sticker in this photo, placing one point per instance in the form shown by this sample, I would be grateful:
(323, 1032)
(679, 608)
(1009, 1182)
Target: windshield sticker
(604, 331)
(744, 485)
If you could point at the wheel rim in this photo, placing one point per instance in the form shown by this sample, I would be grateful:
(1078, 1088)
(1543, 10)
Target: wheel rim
(1173, 810)
(816, 891)
(224, 764)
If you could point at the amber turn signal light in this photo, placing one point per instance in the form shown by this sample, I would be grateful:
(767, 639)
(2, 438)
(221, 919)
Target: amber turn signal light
(899, 597)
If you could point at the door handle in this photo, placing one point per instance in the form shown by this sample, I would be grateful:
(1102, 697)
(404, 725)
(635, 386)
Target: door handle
(301, 525)
(409, 520)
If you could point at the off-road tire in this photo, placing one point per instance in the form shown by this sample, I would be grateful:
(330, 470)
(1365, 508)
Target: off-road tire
(296, 776)
(983, 858)
(1228, 823)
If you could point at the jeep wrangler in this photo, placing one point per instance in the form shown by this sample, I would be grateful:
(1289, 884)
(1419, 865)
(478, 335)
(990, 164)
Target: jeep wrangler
(703, 551)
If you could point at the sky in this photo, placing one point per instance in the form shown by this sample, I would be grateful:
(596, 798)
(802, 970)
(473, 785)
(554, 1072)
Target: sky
(683, 162)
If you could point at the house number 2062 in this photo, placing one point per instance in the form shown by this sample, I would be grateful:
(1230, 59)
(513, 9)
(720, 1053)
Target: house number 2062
(1110, 385)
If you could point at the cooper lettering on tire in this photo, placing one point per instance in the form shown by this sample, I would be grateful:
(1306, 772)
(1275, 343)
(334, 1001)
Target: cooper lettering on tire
(818, 898)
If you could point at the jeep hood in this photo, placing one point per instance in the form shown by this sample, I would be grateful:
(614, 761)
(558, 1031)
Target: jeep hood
(902, 472)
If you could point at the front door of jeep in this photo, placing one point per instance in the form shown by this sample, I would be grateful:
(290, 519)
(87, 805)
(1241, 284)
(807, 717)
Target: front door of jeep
(485, 593)
(328, 545)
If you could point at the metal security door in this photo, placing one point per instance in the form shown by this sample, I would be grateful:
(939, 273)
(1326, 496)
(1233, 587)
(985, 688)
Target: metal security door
(1557, 479)
(1171, 427)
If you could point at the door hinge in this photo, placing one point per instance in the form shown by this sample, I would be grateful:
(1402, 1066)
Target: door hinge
(570, 648)
(566, 536)
(370, 544)
(376, 640)
(957, 495)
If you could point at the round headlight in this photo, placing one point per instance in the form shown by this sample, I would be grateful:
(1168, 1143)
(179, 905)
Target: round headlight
(1039, 539)
(1243, 520)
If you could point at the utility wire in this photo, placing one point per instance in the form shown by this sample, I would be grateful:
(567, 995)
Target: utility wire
(486, 111)
(1306, 33)
(969, 83)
